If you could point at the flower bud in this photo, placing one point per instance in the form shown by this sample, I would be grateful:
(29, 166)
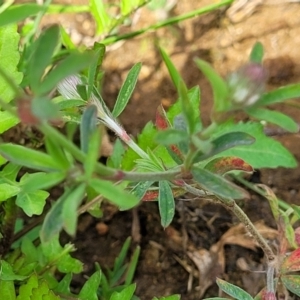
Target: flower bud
(247, 84)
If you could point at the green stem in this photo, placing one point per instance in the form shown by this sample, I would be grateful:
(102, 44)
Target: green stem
(5, 5)
(207, 132)
(104, 171)
(37, 22)
(259, 191)
(170, 21)
(153, 176)
(270, 279)
(136, 148)
(76, 152)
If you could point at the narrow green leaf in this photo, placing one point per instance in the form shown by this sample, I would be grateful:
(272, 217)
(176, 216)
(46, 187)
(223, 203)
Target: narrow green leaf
(120, 259)
(292, 283)
(102, 18)
(93, 153)
(90, 288)
(125, 6)
(57, 153)
(99, 50)
(7, 290)
(226, 141)
(66, 39)
(17, 13)
(132, 266)
(64, 285)
(219, 86)
(274, 117)
(67, 8)
(41, 181)
(87, 126)
(125, 294)
(126, 90)
(233, 290)
(69, 209)
(194, 97)
(289, 234)
(187, 108)
(217, 185)
(279, 95)
(44, 48)
(28, 157)
(32, 203)
(54, 221)
(7, 191)
(9, 60)
(74, 63)
(166, 203)
(175, 76)
(161, 120)
(114, 193)
(171, 136)
(257, 53)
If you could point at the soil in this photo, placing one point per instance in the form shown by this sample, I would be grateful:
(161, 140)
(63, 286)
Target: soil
(165, 266)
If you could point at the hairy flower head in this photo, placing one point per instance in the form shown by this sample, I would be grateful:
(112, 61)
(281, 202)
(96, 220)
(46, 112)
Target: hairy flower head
(68, 88)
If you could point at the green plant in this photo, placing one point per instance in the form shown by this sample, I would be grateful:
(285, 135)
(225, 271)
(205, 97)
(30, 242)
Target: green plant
(175, 156)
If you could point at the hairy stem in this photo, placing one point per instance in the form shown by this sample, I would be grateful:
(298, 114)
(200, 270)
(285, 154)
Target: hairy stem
(240, 214)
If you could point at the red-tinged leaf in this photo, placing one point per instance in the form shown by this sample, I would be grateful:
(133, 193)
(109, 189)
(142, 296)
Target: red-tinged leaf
(25, 113)
(150, 196)
(261, 295)
(153, 195)
(291, 263)
(177, 154)
(223, 165)
(270, 296)
(264, 295)
(161, 120)
(297, 236)
(292, 283)
(162, 123)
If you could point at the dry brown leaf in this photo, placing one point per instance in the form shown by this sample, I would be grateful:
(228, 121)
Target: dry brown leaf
(106, 145)
(211, 263)
(208, 267)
